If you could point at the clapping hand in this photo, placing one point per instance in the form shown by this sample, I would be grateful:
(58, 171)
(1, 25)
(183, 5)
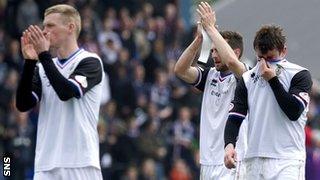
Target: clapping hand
(39, 41)
(27, 48)
(207, 15)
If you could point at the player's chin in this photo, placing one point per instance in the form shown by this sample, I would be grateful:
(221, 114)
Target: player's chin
(54, 42)
(53, 45)
(218, 66)
(221, 67)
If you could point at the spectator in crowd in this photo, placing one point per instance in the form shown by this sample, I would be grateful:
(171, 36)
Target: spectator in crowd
(148, 170)
(182, 135)
(21, 134)
(109, 41)
(180, 171)
(13, 57)
(28, 13)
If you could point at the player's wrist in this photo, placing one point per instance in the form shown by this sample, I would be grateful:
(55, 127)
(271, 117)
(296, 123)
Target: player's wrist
(44, 55)
(272, 79)
(229, 146)
(30, 63)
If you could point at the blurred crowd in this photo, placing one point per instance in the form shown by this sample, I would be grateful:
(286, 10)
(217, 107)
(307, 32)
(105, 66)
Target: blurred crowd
(149, 120)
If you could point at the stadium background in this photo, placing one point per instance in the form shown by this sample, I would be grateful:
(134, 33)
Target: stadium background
(149, 120)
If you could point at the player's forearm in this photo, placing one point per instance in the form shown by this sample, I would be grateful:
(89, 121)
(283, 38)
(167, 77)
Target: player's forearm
(290, 105)
(226, 53)
(237, 113)
(62, 86)
(24, 98)
(186, 59)
(231, 130)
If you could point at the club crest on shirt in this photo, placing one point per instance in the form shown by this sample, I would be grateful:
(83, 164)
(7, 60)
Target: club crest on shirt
(229, 80)
(82, 80)
(278, 69)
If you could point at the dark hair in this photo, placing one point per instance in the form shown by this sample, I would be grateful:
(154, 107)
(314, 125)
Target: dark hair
(234, 39)
(269, 37)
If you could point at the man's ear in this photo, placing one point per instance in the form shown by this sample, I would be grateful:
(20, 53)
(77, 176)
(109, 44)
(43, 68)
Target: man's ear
(237, 51)
(283, 53)
(72, 27)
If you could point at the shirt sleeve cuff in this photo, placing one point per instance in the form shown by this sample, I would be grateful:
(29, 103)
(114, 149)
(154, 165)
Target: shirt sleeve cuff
(45, 55)
(274, 82)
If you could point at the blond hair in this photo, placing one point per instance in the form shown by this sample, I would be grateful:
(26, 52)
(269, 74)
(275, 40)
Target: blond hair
(69, 13)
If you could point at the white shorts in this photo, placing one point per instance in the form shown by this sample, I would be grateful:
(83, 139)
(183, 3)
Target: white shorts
(274, 169)
(240, 172)
(85, 173)
(220, 172)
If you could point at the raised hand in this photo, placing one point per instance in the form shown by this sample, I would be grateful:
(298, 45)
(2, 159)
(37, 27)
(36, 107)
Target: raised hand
(266, 72)
(39, 41)
(27, 48)
(207, 15)
(230, 156)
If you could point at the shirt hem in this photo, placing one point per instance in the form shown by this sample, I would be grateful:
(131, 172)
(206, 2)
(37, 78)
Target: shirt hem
(51, 167)
(273, 156)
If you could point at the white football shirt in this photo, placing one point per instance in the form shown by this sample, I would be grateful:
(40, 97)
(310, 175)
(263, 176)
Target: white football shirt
(218, 92)
(271, 133)
(67, 130)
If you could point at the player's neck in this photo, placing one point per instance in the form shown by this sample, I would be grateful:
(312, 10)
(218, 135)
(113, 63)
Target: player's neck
(225, 73)
(65, 51)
